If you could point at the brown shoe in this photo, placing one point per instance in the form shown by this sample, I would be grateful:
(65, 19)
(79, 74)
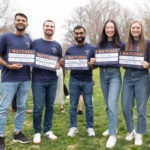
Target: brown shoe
(13, 110)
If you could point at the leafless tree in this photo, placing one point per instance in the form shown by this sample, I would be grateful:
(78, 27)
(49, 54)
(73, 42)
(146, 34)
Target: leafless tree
(6, 15)
(93, 15)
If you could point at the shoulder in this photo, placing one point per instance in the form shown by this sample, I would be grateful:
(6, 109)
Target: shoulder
(72, 47)
(37, 40)
(90, 46)
(5, 35)
(56, 42)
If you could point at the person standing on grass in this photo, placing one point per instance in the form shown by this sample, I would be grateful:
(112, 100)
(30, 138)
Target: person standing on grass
(110, 79)
(59, 99)
(15, 79)
(136, 85)
(81, 82)
(44, 84)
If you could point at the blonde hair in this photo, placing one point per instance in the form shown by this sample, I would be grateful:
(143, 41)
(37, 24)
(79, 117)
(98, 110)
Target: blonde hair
(142, 45)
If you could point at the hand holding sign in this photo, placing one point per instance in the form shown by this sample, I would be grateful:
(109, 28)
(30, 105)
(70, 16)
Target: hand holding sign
(145, 64)
(14, 66)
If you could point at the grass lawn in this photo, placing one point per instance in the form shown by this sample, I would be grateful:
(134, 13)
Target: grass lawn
(81, 141)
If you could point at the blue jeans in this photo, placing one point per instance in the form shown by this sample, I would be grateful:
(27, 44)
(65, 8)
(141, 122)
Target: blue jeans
(43, 94)
(76, 88)
(110, 81)
(8, 90)
(136, 85)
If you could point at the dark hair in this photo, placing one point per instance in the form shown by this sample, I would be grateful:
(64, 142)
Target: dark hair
(79, 27)
(104, 39)
(21, 14)
(49, 21)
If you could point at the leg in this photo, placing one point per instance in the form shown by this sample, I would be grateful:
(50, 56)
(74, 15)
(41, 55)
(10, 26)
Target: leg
(127, 104)
(39, 94)
(49, 105)
(113, 96)
(87, 88)
(141, 95)
(8, 90)
(74, 98)
(22, 97)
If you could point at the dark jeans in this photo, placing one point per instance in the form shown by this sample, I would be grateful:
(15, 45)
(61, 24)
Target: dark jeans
(43, 95)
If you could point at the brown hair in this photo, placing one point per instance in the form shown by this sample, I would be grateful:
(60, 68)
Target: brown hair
(142, 45)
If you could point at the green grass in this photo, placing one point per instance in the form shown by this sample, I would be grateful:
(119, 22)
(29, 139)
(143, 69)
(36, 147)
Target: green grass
(81, 141)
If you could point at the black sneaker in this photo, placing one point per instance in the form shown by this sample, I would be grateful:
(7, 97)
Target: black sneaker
(2, 144)
(20, 138)
(80, 112)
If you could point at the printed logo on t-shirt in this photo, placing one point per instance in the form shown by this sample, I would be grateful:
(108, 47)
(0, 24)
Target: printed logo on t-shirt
(87, 52)
(28, 44)
(54, 49)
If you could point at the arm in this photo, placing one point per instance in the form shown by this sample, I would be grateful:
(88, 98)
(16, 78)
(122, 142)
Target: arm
(10, 66)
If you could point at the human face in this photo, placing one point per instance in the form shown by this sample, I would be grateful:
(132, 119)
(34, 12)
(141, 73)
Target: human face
(79, 35)
(20, 23)
(136, 30)
(48, 28)
(110, 30)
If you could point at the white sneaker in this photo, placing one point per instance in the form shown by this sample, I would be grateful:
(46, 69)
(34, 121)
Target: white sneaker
(105, 133)
(130, 136)
(91, 132)
(50, 135)
(138, 139)
(72, 131)
(111, 142)
(37, 138)
(67, 97)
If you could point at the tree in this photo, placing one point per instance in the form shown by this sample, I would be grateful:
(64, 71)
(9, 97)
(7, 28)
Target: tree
(93, 15)
(6, 9)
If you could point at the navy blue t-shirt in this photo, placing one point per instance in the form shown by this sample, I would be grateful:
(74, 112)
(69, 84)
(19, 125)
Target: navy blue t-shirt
(13, 41)
(47, 47)
(84, 50)
(146, 52)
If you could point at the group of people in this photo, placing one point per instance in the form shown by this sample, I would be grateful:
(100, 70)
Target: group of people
(16, 80)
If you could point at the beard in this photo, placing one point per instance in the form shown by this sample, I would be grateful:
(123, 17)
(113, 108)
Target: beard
(20, 29)
(80, 39)
(48, 32)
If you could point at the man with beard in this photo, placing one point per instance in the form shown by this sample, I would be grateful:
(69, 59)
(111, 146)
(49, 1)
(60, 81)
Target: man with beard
(81, 82)
(15, 79)
(44, 84)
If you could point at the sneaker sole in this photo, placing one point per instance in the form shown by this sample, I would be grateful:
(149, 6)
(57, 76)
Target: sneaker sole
(51, 138)
(73, 135)
(21, 141)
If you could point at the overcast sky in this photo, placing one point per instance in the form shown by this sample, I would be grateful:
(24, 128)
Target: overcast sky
(58, 10)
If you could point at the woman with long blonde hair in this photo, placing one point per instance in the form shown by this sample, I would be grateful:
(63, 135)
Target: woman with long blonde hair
(136, 85)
